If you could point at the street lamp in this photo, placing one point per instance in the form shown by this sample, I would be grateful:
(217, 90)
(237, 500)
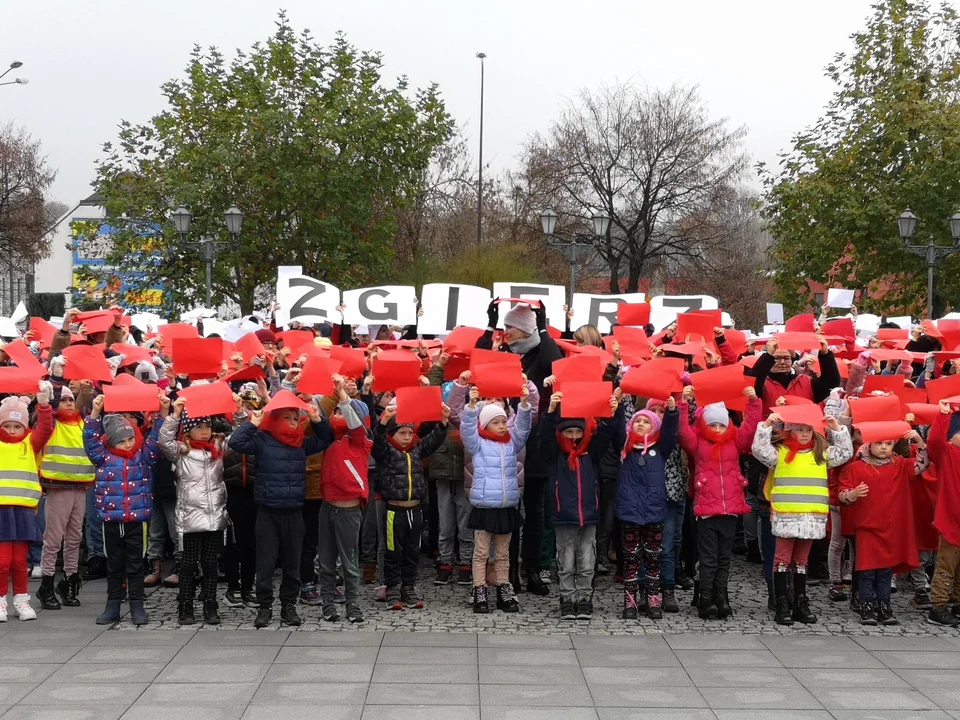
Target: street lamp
(907, 225)
(569, 244)
(17, 81)
(481, 56)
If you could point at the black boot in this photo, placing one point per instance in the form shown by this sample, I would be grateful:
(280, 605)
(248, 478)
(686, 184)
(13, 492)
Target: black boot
(69, 589)
(707, 608)
(782, 598)
(211, 612)
(480, 604)
(185, 612)
(288, 614)
(535, 585)
(507, 599)
(696, 594)
(46, 595)
(801, 603)
(753, 552)
(515, 577)
(96, 568)
(264, 617)
(771, 598)
(723, 604)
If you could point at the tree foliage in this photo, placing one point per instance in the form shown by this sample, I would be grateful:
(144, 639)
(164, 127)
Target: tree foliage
(889, 139)
(25, 178)
(307, 141)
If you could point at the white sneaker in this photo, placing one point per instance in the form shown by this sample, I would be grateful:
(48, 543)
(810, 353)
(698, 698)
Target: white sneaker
(545, 577)
(21, 604)
(36, 573)
(3, 608)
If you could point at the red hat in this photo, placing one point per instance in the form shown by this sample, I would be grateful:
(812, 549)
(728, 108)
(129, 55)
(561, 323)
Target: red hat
(266, 335)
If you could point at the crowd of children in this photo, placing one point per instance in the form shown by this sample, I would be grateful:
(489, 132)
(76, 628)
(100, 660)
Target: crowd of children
(330, 481)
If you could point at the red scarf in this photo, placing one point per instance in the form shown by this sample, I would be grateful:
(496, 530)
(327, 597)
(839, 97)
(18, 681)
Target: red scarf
(402, 448)
(73, 417)
(717, 438)
(575, 449)
(487, 435)
(137, 444)
(339, 425)
(211, 447)
(282, 432)
(645, 442)
(11, 440)
(794, 446)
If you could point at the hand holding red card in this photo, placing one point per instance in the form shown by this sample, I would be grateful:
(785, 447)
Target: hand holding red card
(419, 405)
(695, 327)
(85, 362)
(633, 314)
(720, 384)
(871, 432)
(586, 400)
(496, 380)
(395, 372)
(317, 376)
(139, 397)
(211, 399)
(577, 368)
(656, 378)
(249, 346)
(197, 357)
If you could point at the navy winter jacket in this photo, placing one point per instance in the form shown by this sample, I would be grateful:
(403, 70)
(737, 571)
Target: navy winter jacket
(281, 469)
(642, 486)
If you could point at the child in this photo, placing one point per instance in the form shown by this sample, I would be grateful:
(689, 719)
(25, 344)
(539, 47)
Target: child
(799, 495)
(494, 492)
(399, 454)
(124, 460)
(20, 493)
(66, 475)
(943, 446)
(345, 492)
(715, 446)
(879, 481)
(641, 504)
(572, 448)
(201, 515)
(276, 437)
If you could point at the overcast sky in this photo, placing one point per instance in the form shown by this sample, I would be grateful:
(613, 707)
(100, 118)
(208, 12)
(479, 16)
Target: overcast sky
(758, 63)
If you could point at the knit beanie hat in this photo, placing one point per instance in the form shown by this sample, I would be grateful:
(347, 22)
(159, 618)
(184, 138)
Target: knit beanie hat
(654, 402)
(522, 318)
(146, 372)
(188, 423)
(650, 415)
(568, 423)
(14, 409)
(66, 393)
(266, 335)
(323, 342)
(716, 413)
(489, 412)
(117, 429)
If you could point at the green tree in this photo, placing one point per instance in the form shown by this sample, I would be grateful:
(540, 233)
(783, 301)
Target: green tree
(316, 151)
(889, 139)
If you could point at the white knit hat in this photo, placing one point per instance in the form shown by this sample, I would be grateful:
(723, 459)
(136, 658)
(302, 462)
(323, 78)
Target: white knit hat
(489, 412)
(146, 372)
(716, 413)
(522, 318)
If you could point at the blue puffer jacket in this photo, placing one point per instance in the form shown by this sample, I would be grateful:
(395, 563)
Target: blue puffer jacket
(281, 469)
(123, 486)
(495, 483)
(642, 485)
(575, 494)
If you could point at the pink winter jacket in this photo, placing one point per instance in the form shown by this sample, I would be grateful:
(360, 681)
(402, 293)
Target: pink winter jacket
(718, 486)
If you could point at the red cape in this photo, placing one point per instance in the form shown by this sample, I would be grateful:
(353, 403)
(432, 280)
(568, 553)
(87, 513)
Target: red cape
(924, 491)
(947, 459)
(884, 518)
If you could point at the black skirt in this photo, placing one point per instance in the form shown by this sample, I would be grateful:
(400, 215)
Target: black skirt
(496, 521)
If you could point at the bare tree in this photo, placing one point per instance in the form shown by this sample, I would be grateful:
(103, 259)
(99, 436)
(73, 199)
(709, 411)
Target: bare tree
(53, 210)
(24, 180)
(652, 160)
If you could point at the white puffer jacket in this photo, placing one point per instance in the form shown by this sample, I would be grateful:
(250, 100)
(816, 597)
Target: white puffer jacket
(201, 493)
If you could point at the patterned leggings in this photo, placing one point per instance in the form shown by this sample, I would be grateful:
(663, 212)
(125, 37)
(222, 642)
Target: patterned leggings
(202, 547)
(648, 540)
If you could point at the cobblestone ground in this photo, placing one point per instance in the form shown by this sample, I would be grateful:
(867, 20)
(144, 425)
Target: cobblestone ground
(447, 610)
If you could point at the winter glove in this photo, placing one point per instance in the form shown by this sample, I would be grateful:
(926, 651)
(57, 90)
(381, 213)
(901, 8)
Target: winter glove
(493, 314)
(929, 364)
(864, 358)
(115, 362)
(541, 313)
(56, 366)
(45, 393)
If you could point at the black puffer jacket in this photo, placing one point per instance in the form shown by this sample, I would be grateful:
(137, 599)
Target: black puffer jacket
(400, 474)
(164, 481)
(239, 472)
(281, 469)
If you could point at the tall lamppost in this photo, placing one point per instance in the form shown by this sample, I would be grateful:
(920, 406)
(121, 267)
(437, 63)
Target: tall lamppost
(480, 178)
(570, 244)
(16, 81)
(907, 225)
(182, 218)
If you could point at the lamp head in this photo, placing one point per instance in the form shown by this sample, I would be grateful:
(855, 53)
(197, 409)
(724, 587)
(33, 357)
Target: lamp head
(548, 221)
(181, 219)
(907, 224)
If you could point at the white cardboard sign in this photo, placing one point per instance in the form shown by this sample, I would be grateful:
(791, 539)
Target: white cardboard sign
(839, 298)
(600, 310)
(387, 304)
(306, 300)
(448, 306)
(553, 297)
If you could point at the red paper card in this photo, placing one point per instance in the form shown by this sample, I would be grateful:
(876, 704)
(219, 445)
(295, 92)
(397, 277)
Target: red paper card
(634, 345)
(482, 357)
(882, 383)
(697, 326)
(497, 380)
(938, 390)
(633, 314)
(749, 360)
(893, 334)
(800, 324)
(796, 400)
(871, 432)
(390, 374)
(950, 329)
(841, 327)
(197, 357)
(85, 362)
(924, 413)
(586, 400)
(888, 355)
(577, 368)
(132, 354)
(17, 381)
(317, 376)
(883, 408)
(131, 398)
(455, 367)
(285, 400)
(419, 405)
(721, 384)
(911, 395)
(296, 339)
(353, 361)
(736, 340)
(930, 328)
(250, 346)
(810, 415)
(123, 378)
(592, 351)
(251, 373)
(462, 340)
(97, 322)
(21, 355)
(176, 330)
(797, 341)
(42, 331)
(211, 399)
(656, 378)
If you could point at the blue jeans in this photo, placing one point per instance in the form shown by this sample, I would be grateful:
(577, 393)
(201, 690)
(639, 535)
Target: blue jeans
(875, 584)
(33, 556)
(672, 534)
(94, 527)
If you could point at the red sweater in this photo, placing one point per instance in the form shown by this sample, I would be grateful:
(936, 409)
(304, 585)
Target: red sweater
(884, 518)
(344, 475)
(946, 457)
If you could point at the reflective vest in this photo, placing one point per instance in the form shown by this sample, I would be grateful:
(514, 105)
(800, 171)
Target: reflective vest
(800, 487)
(19, 484)
(64, 457)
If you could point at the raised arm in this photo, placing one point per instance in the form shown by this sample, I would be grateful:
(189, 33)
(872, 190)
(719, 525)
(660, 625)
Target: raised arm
(522, 426)
(169, 445)
(748, 428)
(841, 447)
(689, 440)
(469, 428)
(763, 448)
(246, 439)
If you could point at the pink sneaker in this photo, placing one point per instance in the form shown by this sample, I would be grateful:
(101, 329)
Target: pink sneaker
(381, 593)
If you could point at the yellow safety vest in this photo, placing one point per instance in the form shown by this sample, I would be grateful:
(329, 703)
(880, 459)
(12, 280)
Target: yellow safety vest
(799, 487)
(64, 457)
(19, 484)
